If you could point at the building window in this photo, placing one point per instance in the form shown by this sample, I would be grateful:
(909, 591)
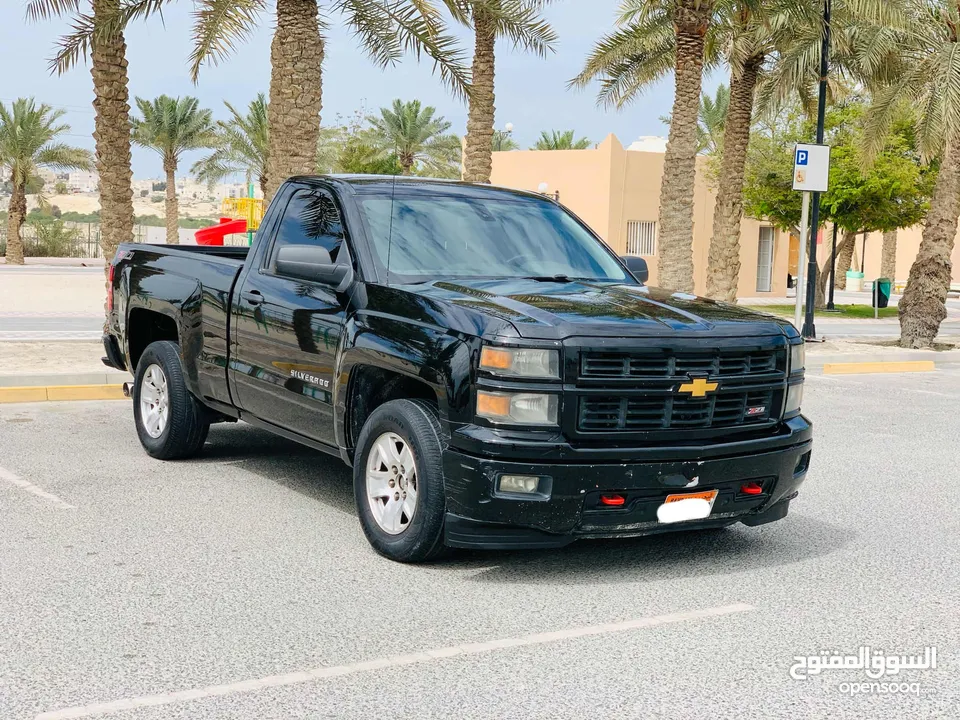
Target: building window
(765, 260)
(641, 238)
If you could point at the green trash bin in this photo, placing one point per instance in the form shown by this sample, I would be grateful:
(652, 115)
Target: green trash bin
(881, 295)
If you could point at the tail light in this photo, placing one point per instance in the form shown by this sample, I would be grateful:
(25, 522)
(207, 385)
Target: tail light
(110, 288)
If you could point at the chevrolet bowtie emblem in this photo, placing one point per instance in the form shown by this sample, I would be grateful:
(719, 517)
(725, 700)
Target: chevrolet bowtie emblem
(698, 387)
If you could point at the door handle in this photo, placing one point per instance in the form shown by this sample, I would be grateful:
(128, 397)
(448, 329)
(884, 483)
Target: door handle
(253, 297)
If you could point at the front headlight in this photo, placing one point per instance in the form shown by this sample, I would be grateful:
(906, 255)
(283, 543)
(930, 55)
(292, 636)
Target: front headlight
(517, 408)
(798, 354)
(794, 397)
(520, 362)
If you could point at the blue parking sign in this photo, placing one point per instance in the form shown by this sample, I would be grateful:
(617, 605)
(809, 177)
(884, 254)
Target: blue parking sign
(802, 157)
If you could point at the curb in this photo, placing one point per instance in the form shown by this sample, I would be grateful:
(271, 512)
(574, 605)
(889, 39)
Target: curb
(856, 368)
(106, 377)
(60, 392)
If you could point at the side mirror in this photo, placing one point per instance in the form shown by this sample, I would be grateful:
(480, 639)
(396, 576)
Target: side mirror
(637, 267)
(310, 262)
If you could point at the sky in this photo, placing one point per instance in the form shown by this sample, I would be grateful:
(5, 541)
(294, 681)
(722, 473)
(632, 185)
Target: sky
(531, 92)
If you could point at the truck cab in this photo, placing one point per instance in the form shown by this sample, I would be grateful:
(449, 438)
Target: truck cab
(495, 375)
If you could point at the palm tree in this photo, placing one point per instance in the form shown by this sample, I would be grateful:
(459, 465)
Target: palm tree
(929, 47)
(241, 146)
(99, 33)
(385, 30)
(711, 120)
(653, 38)
(170, 126)
(521, 23)
(555, 140)
(28, 140)
(415, 136)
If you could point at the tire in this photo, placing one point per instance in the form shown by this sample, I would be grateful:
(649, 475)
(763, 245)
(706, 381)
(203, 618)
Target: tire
(412, 424)
(183, 431)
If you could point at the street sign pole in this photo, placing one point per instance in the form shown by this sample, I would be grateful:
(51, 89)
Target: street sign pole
(804, 219)
(809, 329)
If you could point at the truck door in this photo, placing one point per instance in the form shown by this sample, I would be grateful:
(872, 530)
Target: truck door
(288, 329)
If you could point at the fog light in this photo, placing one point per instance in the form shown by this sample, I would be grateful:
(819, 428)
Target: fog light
(525, 484)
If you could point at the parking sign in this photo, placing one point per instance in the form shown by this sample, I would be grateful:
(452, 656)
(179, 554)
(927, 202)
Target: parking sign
(811, 168)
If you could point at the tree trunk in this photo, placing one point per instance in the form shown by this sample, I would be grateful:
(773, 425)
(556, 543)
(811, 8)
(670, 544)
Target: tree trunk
(844, 261)
(478, 152)
(16, 213)
(723, 260)
(296, 56)
(823, 277)
(888, 257)
(112, 136)
(170, 206)
(923, 305)
(675, 255)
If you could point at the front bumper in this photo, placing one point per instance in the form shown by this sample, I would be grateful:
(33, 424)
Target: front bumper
(478, 517)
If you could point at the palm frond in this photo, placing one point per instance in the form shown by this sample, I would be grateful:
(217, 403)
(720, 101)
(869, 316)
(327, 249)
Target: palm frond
(386, 29)
(38, 10)
(218, 27)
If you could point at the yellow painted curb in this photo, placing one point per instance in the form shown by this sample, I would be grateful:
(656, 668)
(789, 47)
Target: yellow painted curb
(60, 392)
(853, 368)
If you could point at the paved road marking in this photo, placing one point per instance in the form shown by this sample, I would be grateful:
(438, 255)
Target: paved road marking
(33, 489)
(321, 673)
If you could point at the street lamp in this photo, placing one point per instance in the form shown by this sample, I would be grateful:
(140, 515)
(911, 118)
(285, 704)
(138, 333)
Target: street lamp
(500, 136)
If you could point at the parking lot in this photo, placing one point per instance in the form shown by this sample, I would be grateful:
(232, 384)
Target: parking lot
(240, 585)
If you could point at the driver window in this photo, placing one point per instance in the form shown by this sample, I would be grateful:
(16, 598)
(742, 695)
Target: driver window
(310, 218)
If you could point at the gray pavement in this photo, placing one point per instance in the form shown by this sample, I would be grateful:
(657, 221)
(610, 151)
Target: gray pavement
(122, 577)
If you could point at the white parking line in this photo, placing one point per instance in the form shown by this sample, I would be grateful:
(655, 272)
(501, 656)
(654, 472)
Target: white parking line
(33, 489)
(321, 673)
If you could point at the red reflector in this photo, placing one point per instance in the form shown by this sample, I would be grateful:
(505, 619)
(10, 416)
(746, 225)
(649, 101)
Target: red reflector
(751, 488)
(110, 288)
(612, 499)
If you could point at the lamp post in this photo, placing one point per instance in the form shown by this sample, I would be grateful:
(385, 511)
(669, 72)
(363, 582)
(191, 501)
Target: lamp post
(500, 135)
(809, 329)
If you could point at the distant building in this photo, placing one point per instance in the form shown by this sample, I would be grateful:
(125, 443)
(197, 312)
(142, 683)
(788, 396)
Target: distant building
(84, 181)
(649, 143)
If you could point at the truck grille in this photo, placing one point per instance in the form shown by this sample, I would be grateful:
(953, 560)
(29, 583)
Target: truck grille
(637, 391)
(620, 365)
(673, 411)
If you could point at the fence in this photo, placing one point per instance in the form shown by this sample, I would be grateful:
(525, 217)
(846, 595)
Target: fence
(85, 242)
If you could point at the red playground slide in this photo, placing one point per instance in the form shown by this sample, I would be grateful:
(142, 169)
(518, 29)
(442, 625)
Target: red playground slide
(214, 234)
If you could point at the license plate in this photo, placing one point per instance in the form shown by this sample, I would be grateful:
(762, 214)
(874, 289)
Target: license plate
(686, 506)
(708, 495)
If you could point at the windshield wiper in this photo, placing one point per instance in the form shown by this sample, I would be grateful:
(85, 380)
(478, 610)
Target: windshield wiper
(549, 278)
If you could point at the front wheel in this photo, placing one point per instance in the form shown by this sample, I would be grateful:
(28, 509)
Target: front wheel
(398, 481)
(171, 422)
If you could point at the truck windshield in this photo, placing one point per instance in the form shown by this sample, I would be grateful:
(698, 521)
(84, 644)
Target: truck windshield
(438, 236)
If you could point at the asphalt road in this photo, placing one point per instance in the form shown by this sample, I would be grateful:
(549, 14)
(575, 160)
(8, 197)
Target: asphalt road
(239, 574)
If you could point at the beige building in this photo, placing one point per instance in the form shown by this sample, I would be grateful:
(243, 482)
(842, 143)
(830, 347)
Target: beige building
(617, 192)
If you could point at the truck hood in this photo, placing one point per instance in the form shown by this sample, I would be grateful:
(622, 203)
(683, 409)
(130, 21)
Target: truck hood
(557, 310)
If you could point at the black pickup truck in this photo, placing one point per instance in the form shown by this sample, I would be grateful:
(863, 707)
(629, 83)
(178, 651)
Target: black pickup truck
(494, 374)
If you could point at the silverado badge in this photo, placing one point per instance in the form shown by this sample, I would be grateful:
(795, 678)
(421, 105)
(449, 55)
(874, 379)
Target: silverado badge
(698, 387)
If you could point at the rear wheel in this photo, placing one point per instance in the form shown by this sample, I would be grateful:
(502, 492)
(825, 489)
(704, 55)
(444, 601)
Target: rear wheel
(398, 481)
(170, 421)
